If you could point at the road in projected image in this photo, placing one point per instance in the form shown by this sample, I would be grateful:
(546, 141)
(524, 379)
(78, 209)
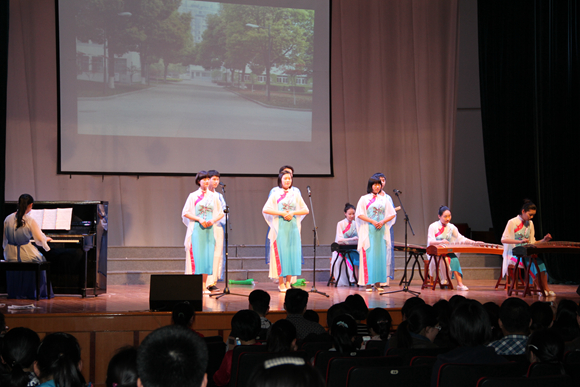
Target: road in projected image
(191, 109)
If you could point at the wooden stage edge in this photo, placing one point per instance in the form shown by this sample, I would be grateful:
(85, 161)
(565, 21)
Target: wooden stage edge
(121, 317)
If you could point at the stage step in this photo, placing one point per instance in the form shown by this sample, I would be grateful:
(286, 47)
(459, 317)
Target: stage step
(135, 265)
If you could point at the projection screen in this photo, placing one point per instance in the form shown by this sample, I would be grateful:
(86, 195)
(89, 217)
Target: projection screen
(172, 87)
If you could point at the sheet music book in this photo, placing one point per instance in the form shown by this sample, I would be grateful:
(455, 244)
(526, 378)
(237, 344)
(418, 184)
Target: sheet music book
(53, 218)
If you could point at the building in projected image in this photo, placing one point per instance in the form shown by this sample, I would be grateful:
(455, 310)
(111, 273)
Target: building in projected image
(198, 10)
(90, 64)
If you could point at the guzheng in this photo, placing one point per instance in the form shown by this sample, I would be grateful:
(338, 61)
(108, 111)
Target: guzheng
(418, 249)
(486, 248)
(547, 247)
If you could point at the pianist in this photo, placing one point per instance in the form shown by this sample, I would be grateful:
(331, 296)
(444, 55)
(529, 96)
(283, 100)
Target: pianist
(19, 230)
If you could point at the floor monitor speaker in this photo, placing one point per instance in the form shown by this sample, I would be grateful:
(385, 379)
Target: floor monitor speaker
(167, 290)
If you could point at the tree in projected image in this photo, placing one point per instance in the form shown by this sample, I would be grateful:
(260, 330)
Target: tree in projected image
(154, 28)
(257, 37)
(106, 23)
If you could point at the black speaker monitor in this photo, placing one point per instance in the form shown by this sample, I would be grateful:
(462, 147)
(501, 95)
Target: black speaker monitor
(167, 290)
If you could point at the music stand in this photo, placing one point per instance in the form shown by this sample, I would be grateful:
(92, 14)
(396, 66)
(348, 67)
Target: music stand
(404, 279)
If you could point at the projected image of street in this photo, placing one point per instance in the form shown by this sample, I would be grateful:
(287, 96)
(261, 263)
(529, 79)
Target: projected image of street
(194, 69)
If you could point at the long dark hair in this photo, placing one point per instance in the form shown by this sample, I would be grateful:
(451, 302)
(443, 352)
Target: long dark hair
(23, 202)
(58, 357)
(420, 317)
(18, 351)
(379, 320)
(122, 369)
(528, 206)
(281, 336)
(342, 331)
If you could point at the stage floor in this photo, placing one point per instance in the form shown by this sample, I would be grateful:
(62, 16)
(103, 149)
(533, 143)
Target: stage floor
(135, 298)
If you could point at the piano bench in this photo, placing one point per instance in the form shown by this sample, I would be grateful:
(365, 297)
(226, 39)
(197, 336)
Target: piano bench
(37, 267)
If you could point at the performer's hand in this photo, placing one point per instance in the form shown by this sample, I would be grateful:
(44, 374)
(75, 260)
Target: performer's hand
(547, 238)
(288, 217)
(48, 239)
(208, 223)
(524, 240)
(378, 225)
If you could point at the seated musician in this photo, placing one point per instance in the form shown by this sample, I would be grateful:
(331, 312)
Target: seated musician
(442, 233)
(346, 235)
(520, 231)
(19, 231)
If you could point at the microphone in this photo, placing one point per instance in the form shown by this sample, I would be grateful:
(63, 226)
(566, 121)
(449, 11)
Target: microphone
(308, 189)
(222, 184)
(396, 191)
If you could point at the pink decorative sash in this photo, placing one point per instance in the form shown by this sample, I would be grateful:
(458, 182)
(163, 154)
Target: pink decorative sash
(277, 255)
(371, 201)
(440, 231)
(282, 197)
(346, 229)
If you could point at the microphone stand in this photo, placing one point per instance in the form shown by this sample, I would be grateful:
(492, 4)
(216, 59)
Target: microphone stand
(315, 234)
(404, 279)
(226, 256)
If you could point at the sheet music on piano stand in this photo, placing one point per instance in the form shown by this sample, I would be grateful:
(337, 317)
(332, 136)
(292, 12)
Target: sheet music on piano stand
(53, 218)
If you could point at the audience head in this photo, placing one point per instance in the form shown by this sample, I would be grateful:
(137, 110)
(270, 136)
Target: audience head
(3, 327)
(59, 358)
(343, 332)
(379, 322)
(122, 369)
(566, 320)
(492, 310)
(358, 307)
(259, 302)
(282, 337)
(311, 315)
(409, 304)
(456, 300)
(443, 310)
(515, 316)
(172, 356)
(545, 346)
(183, 314)
(469, 324)
(295, 301)
(246, 325)
(422, 320)
(19, 347)
(24, 201)
(334, 311)
(542, 315)
(286, 372)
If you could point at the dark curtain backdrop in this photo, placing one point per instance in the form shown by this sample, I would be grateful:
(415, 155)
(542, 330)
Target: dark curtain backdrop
(529, 74)
(4, 8)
